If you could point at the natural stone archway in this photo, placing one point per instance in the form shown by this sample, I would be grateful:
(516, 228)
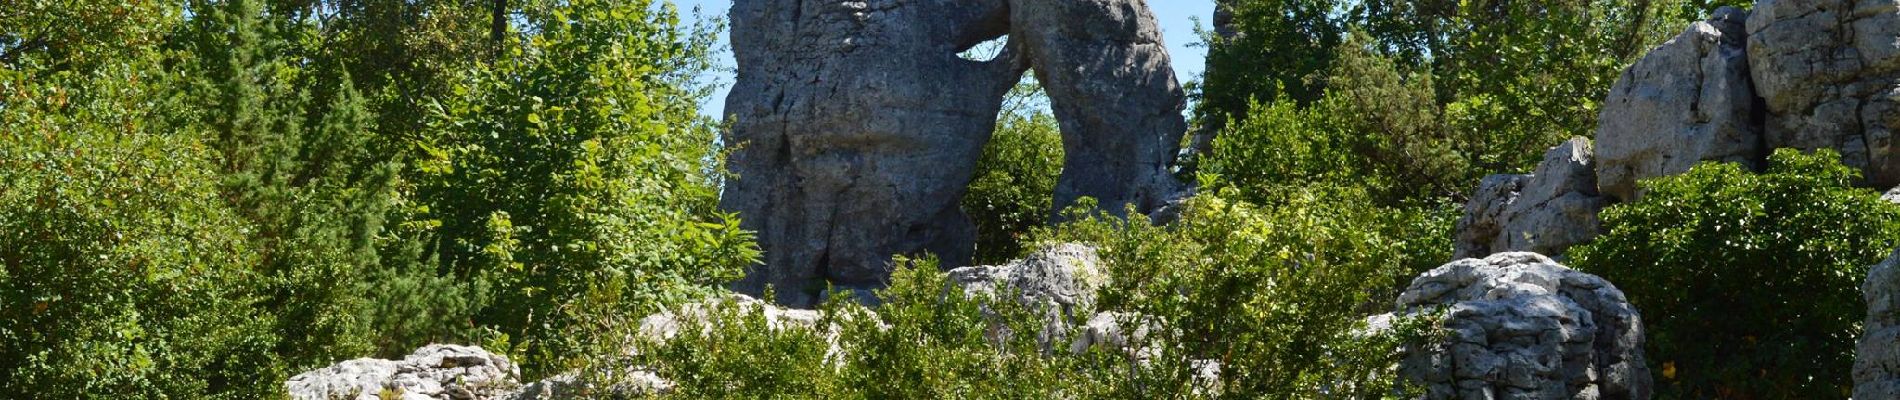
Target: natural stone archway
(1113, 89)
(856, 126)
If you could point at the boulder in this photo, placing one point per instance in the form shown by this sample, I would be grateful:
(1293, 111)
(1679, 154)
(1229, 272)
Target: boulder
(667, 324)
(1523, 327)
(1687, 101)
(1546, 212)
(1829, 73)
(1064, 276)
(437, 371)
(856, 126)
(1877, 356)
(1892, 195)
(1059, 281)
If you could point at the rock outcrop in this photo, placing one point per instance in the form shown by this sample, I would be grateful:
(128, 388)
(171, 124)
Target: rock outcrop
(1687, 101)
(856, 129)
(438, 372)
(1112, 87)
(1059, 281)
(1523, 327)
(1892, 195)
(1829, 74)
(856, 125)
(1545, 212)
(1877, 356)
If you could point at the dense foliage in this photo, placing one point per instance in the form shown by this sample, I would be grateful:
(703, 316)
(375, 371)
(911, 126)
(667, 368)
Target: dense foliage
(1276, 296)
(198, 200)
(1476, 87)
(1014, 188)
(1748, 283)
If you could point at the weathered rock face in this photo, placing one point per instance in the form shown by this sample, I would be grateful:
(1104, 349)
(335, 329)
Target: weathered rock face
(1112, 87)
(1059, 280)
(1524, 327)
(1545, 212)
(1829, 72)
(857, 126)
(438, 372)
(1687, 101)
(1877, 356)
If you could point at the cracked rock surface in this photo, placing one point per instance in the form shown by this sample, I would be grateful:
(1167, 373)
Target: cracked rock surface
(856, 125)
(1687, 101)
(1545, 212)
(434, 372)
(856, 129)
(1523, 327)
(1877, 356)
(1829, 74)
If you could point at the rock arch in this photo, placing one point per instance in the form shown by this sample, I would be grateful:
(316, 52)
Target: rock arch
(856, 126)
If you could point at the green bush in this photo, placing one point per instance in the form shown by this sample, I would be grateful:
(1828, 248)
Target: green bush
(926, 341)
(1015, 184)
(1276, 292)
(1748, 282)
(576, 160)
(125, 274)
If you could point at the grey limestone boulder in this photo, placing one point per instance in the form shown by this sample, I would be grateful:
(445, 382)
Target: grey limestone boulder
(1058, 281)
(438, 371)
(1545, 212)
(1523, 327)
(1687, 101)
(1877, 356)
(1829, 73)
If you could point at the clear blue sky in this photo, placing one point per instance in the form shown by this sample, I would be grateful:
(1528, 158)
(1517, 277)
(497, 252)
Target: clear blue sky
(1178, 18)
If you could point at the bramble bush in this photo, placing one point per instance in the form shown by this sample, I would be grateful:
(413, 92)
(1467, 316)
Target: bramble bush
(1748, 283)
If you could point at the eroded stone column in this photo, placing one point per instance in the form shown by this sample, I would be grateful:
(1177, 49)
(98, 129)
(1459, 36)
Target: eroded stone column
(856, 129)
(1109, 79)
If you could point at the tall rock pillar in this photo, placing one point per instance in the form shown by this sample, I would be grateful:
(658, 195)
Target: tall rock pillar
(1108, 76)
(856, 128)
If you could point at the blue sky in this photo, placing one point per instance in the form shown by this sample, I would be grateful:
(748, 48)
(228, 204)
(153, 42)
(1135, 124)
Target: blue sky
(1178, 18)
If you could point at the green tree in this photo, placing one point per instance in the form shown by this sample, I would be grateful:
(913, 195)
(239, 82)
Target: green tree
(1015, 182)
(1748, 282)
(125, 273)
(578, 159)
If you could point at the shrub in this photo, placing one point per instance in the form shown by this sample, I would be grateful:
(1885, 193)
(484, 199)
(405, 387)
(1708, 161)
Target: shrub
(122, 272)
(1748, 282)
(579, 159)
(1015, 184)
(1276, 293)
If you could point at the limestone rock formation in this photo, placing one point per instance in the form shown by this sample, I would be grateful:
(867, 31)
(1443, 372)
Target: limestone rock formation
(438, 372)
(1892, 195)
(1877, 356)
(1545, 212)
(1687, 101)
(856, 125)
(1524, 327)
(1059, 280)
(856, 129)
(667, 324)
(1112, 87)
(1829, 72)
